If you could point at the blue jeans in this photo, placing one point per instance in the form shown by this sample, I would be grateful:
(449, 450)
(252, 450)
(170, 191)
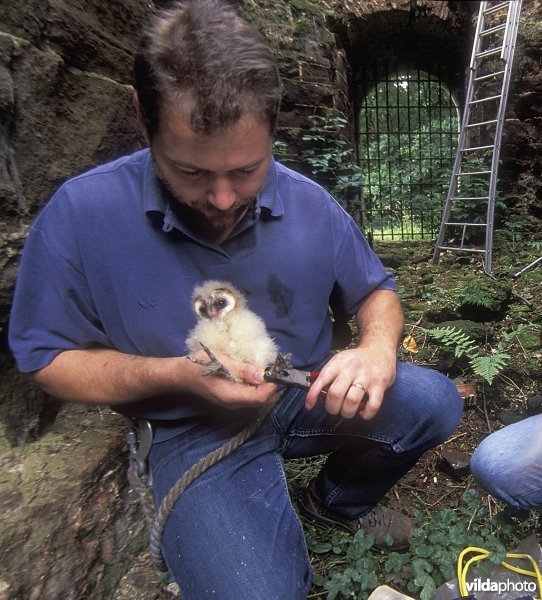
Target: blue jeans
(234, 534)
(508, 464)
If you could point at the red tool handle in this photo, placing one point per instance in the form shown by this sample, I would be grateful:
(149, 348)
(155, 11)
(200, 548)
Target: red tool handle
(312, 376)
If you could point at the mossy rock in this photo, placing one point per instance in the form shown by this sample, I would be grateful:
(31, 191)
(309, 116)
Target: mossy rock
(391, 260)
(479, 332)
(529, 339)
(484, 299)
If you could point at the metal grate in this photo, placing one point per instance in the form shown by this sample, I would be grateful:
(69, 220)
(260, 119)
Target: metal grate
(408, 130)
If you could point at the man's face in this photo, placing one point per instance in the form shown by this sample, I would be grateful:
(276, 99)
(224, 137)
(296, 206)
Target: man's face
(213, 178)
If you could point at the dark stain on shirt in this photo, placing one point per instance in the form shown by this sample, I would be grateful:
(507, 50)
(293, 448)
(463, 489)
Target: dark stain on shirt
(281, 296)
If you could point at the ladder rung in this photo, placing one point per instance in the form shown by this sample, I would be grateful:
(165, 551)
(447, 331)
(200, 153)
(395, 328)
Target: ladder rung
(493, 30)
(489, 75)
(476, 148)
(469, 198)
(496, 8)
(485, 99)
(468, 173)
(489, 52)
(482, 123)
(467, 224)
(459, 248)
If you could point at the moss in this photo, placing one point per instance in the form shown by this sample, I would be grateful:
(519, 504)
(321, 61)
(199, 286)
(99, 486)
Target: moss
(288, 23)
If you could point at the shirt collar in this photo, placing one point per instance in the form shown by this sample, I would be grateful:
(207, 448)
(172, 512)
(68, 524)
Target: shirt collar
(268, 197)
(154, 199)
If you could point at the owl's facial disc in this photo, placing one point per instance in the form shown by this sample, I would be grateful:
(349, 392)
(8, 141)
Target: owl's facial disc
(216, 306)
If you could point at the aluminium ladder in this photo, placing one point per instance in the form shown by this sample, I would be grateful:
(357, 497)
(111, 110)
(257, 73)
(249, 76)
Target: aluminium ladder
(467, 220)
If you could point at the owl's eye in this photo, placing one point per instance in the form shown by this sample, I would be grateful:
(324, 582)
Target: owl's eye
(201, 308)
(221, 304)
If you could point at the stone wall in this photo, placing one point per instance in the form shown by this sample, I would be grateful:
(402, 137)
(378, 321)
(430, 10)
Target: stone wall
(70, 526)
(65, 104)
(521, 171)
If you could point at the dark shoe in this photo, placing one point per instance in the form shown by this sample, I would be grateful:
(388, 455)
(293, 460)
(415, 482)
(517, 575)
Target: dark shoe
(381, 522)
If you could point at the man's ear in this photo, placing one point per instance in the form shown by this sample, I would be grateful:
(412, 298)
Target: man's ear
(140, 119)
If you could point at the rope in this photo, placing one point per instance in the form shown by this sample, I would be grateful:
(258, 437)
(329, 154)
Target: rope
(167, 504)
(482, 553)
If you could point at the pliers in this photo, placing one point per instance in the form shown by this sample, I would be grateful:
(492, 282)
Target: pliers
(282, 373)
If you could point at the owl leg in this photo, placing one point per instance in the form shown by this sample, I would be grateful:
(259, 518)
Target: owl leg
(214, 366)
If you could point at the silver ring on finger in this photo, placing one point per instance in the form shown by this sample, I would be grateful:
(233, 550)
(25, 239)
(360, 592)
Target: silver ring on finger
(358, 385)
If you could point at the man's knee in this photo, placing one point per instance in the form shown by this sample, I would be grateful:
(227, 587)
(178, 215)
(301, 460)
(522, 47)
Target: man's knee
(437, 403)
(447, 404)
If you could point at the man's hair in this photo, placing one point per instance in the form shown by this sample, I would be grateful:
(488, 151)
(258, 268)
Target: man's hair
(201, 57)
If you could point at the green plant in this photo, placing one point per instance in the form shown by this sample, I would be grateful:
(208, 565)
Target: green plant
(439, 538)
(281, 151)
(332, 157)
(434, 292)
(360, 574)
(475, 294)
(485, 366)
(356, 567)
(510, 235)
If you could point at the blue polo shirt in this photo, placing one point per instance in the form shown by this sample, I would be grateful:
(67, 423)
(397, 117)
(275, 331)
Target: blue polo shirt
(109, 263)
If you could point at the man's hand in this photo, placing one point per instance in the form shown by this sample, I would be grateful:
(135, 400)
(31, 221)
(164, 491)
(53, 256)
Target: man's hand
(356, 379)
(250, 391)
(371, 370)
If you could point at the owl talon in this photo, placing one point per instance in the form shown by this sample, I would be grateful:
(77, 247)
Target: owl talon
(282, 361)
(214, 366)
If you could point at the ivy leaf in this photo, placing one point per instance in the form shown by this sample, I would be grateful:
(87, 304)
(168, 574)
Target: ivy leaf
(457, 535)
(426, 551)
(421, 567)
(396, 562)
(438, 538)
(369, 580)
(319, 547)
(429, 589)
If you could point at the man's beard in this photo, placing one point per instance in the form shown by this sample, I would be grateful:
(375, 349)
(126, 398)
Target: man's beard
(205, 218)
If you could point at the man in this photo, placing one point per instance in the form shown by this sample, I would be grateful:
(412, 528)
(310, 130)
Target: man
(103, 308)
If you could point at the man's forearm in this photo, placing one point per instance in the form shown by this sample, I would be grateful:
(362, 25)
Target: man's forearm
(380, 320)
(104, 376)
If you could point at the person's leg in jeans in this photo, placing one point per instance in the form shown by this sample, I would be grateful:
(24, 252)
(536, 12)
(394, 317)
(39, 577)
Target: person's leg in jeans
(419, 411)
(233, 534)
(508, 464)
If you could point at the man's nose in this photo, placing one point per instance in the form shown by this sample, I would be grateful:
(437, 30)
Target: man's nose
(221, 194)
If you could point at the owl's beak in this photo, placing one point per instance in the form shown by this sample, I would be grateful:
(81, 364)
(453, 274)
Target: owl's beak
(212, 312)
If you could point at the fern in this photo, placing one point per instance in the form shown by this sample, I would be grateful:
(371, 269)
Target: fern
(452, 337)
(488, 367)
(477, 296)
(485, 366)
(513, 336)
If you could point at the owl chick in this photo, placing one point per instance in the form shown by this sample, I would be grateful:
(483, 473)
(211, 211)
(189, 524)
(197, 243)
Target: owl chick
(226, 324)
